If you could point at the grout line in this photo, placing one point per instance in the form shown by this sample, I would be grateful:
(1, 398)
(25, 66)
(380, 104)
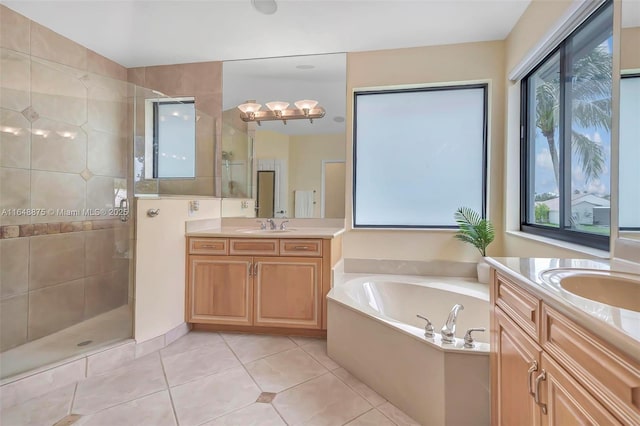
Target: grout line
(278, 412)
(73, 398)
(166, 380)
(382, 412)
(357, 417)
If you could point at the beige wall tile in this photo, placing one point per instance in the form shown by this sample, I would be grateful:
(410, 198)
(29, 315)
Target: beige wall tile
(15, 147)
(54, 308)
(13, 324)
(15, 80)
(107, 116)
(59, 147)
(14, 30)
(167, 79)
(56, 259)
(52, 46)
(136, 76)
(107, 154)
(205, 144)
(101, 192)
(100, 65)
(100, 251)
(15, 187)
(14, 267)
(52, 190)
(58, 93)
(209, 103)
(105, 292)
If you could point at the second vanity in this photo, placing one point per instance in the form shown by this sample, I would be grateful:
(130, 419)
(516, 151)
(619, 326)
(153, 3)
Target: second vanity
(261, 280)
(558, 358)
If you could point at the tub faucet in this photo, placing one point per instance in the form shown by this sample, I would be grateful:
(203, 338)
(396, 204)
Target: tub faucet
(448, 330)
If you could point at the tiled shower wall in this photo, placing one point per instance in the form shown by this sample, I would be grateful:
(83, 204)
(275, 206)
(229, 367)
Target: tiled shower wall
(64, 148)
(203, 81)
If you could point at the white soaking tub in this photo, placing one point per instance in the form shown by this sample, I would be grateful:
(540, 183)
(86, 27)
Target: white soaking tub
(373, 332)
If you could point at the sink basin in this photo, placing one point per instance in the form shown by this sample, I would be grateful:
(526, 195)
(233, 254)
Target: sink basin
(617, 289)
(265, 231)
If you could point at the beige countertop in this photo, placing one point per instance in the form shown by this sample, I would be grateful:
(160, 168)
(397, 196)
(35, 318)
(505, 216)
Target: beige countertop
(248, 232)
(620, 327)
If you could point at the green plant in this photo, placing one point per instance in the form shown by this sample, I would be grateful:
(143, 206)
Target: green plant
(474, 229)
(542, 213)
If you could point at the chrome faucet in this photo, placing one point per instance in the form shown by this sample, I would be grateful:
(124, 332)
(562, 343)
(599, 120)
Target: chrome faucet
(283, 225)
(448, 330)
(272, 224)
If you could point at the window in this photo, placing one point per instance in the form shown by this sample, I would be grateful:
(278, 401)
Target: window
(419, 154)
(171, 138)
(629, 153)
(566, 139)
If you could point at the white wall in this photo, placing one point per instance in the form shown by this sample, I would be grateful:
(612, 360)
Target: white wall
(160, 262)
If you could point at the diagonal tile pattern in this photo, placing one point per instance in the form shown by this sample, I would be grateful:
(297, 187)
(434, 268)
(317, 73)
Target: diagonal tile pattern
(212, 379)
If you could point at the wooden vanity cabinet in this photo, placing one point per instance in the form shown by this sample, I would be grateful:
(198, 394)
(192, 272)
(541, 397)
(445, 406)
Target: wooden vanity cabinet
(547, 370)
(255, 283)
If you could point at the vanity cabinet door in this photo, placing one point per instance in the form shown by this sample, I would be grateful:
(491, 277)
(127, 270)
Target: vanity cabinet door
(287, 292)
(517, 365)
(220, 290)
(568, 403)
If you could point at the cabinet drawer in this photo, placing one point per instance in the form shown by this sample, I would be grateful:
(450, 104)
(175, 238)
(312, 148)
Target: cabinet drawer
(291, 247)
(522, 307)
(259, 247)
(607, 374)
(217, 246)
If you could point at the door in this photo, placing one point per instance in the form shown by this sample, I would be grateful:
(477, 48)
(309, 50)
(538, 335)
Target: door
(333, 189)
(287, 292)
(220, 290)
(568, 403)
(266, 193)
(518, 363)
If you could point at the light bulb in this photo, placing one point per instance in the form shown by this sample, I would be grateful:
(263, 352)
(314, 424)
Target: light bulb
(277, 106)
(249, 107)
(306, 104)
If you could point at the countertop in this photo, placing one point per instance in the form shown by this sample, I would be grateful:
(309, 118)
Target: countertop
(620, 327)
(246, 232)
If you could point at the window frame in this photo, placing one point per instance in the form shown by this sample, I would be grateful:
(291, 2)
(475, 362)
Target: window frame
(155, 142)
(445, 87)
(623, 76)
(564, 151)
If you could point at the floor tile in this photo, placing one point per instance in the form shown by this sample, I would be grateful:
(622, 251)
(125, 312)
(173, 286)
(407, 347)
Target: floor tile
(151, 410)
(322, 401)
(253, 415)
(363, 390)
(190, 341)
(250, 347)
(43, 410)
(302, 340)
(203, 361)
(371, 418)
(278, 372)
(132, 381)
(396, 415)
(212, 396)
(318, 350)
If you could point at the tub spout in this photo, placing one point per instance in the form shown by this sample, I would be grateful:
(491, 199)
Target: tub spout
(448, 330)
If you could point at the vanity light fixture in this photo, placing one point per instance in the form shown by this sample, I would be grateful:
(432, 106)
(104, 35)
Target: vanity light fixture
(278, 110)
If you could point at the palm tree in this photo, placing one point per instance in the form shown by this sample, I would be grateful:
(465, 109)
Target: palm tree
(591, 108)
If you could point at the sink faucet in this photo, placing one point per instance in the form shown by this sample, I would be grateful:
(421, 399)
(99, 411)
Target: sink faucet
(283, 225)
(448, 330)
(272, 224)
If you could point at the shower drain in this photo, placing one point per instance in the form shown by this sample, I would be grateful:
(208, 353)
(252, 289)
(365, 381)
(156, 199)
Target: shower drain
(85, 343)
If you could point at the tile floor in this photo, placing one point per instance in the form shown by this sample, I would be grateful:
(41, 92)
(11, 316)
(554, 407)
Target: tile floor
(216, 379)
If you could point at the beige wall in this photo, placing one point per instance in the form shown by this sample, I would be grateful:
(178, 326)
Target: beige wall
(630, 48)
(429, 65)
(69, 151)
(306, 153)
(204, 82)
(160, 262)
(271, 145)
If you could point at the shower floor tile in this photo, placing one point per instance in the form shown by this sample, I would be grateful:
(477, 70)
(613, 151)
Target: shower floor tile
(110, 327)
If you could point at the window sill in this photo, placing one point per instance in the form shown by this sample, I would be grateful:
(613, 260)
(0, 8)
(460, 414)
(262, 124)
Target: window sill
(438, 230)
(601, 254)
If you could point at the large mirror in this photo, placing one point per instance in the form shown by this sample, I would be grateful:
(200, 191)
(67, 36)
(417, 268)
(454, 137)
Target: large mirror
(629, 190)
(297, 169)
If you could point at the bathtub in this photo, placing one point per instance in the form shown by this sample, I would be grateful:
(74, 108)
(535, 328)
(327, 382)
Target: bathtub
(373, 331)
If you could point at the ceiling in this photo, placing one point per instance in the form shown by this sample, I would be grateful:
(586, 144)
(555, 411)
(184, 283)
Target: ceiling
(154, 32)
